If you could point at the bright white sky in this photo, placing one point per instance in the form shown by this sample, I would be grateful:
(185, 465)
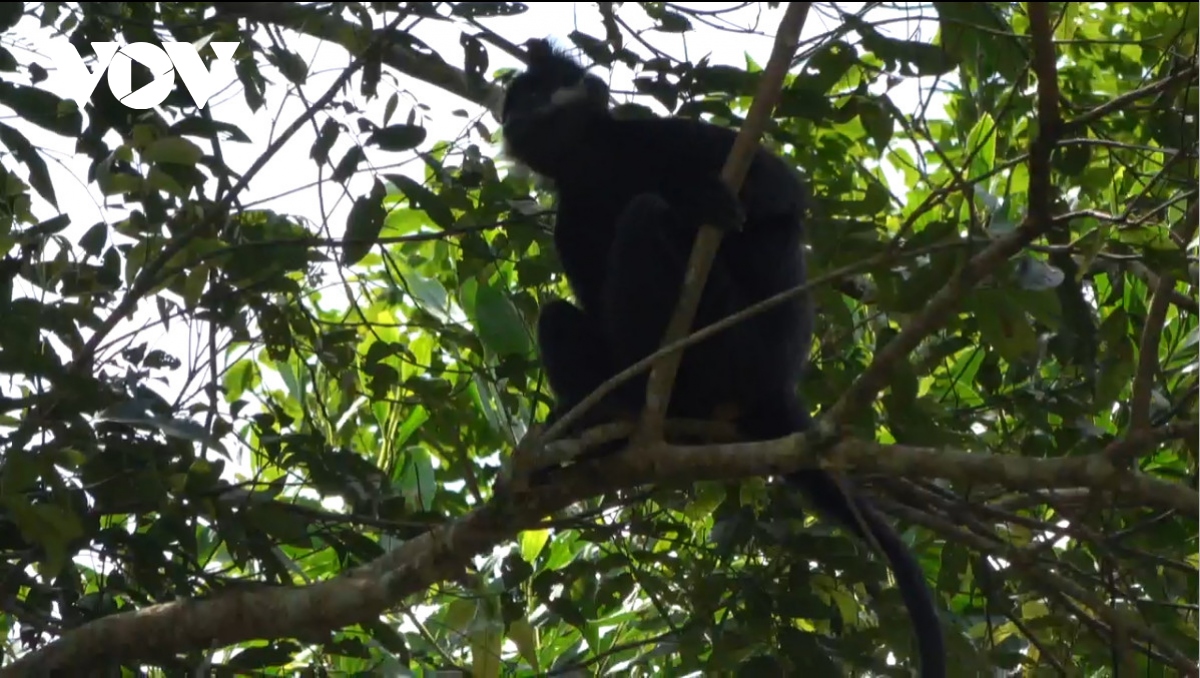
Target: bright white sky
(287, 183)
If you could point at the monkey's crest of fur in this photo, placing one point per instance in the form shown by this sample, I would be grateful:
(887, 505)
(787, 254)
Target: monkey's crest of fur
(541, 51)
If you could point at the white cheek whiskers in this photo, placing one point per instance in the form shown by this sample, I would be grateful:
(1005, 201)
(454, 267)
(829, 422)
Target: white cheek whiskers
(569, 94)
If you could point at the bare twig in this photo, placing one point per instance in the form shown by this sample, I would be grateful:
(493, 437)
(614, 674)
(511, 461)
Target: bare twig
(884, 258)
(1124, 100)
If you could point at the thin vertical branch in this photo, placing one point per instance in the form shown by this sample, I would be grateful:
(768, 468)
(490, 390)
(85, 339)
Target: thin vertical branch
(1143, 380)
(662, 375)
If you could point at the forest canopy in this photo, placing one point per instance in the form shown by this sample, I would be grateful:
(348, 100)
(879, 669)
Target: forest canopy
(269, 377)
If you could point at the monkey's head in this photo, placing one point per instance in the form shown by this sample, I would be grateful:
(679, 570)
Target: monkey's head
(548, 107)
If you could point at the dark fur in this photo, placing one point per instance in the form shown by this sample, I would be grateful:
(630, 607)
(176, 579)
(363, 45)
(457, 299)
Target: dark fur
(631, 196)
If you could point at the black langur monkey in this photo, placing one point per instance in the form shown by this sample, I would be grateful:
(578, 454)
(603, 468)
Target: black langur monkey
(631, 195)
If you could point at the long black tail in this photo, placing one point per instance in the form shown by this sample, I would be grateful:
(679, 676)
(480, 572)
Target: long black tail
(829, 498)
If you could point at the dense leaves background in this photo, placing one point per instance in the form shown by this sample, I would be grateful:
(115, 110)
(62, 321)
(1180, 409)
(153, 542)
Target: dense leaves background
(352, 377)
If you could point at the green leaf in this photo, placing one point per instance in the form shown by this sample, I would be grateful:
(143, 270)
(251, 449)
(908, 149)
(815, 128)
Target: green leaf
(42, 108)
(53, 528)
(137, 413)
(525, 637)
(422, 198)
(363, 225)
(980, 38)
(827, 65)
(532, 543)
(253, 83)
(487, 9)
(39, 173)
(459, 614)
(389, 109)
(20, 470)
(251, 659)
(173, 150)
(795, 102)
(1003, 325)
(877, 120)
(981, 142)
(10, 14)
(289, 63)
(1073, 159)
(280, 522)
(325, 139)
(241, 376)
(398, 137)
(95, 239)
(8, 62)
(348, 165)
(669, 22)
(500, 325)
(430, 294)
(928, 59)
(208, 129)
(44, 229)
(417, 416)
(419, 482)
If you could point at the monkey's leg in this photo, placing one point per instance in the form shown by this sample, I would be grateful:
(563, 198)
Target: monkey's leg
(576, 360)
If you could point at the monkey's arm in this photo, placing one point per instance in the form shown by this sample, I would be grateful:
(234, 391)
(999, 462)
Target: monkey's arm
(706, 201)
(770, 196)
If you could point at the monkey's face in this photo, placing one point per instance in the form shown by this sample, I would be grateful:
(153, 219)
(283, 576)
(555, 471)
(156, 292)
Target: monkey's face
(546, 112)
(551, 81)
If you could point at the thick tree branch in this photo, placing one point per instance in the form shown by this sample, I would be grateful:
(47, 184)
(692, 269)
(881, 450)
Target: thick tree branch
(439, 554)
(367, 592)
(400, 51)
